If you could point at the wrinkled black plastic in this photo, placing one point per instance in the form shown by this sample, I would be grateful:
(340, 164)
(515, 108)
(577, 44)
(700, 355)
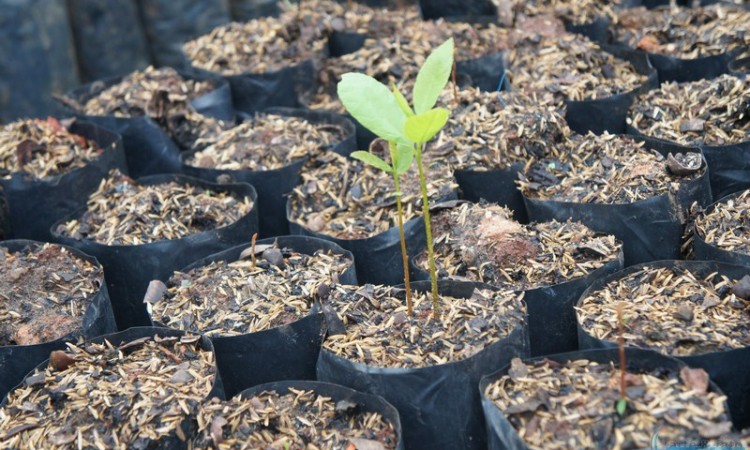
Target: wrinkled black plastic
(730, 370)
(274, 185)
(728, 165)
(17, 360)
(190, 425)
(129, 268)
(149, 151)
(704, 251)
(439, 405)
(344, 42)
(437, 9)
(37, 57)
(34, 205)
(495, 186)
(596, 30)
(500, 433)
(244, 10)
(609, 113)
(170, 23)
(287, 352)
(252, 92)
(109, 39)
(649, 229)
(740, 66)
(365, 403)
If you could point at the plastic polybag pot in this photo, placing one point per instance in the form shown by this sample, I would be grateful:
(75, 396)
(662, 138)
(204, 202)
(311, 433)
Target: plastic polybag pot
(438, 9)
(704, 251)
(364, 402)
(439, 405)
(245, 10)
(128, 269)
(35, 204)
(287, 352)
(650, 229)
(500, 432)
(252, 92)
(188, 426)
(609, 114)
(495, 186)
(148, 149)
(273, 186)
(37, 57)
(730, 370)
(17, 360)
(740, 66)
(728, 165)
(109, 39)
(169, 23)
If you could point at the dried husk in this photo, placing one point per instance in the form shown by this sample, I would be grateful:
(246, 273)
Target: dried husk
(123, 212)
(41, 149)
(727, 224)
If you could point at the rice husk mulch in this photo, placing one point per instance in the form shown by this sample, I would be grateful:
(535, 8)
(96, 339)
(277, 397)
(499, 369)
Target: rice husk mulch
(347, 199)
(571, 67)
(104, 396)
(494, 130)
(299, 419)
(45, 292)
(43, 148)
(234, 298)
(727, 224)
(672, 311)
(572, 405)
(267, 142)
(123, 212)
(608, 169)
(380, 333)
(705, 112)
(685, 33)
(571, 11)
(482, 242)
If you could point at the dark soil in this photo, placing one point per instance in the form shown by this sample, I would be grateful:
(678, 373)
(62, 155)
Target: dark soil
(45, 292)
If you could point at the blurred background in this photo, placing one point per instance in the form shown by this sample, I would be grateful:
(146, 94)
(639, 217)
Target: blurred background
(48, 47)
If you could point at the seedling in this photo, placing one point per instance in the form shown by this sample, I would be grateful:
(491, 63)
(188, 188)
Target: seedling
(622, 403)
(252, 243)
(387, 114)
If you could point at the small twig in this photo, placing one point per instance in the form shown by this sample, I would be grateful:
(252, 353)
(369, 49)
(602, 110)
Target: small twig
(622, 403)
(252, 243)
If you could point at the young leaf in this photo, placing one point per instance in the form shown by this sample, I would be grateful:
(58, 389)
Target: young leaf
(404, 158)
(372, 104)
(433, 76)
(620, 406)
(369, 158)
(424, 126)
(402, 101)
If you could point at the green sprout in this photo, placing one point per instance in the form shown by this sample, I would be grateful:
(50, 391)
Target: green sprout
(407, 129)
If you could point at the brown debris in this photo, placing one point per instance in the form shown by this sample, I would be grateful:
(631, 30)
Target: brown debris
(726, 226)
(109, 397)
(298, 420)
(572, 405)
(721, 106)
(481, 242)
(267, 142)
(45, 291)
(122, 212)
(42, 148)
(666, 310)
(239, 297)
(465, 327)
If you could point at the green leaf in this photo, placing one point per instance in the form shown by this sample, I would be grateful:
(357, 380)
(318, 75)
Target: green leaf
(402, 101)
(433, 76)
(404, 157)
(620, 406)
(369, 158)
(423, 127)
(372, 105)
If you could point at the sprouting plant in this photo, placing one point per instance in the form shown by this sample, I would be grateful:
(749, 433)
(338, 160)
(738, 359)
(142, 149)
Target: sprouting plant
(387, 114)
(622, 403)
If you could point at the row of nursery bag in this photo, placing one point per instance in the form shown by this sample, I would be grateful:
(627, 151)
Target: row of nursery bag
(253, 300)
